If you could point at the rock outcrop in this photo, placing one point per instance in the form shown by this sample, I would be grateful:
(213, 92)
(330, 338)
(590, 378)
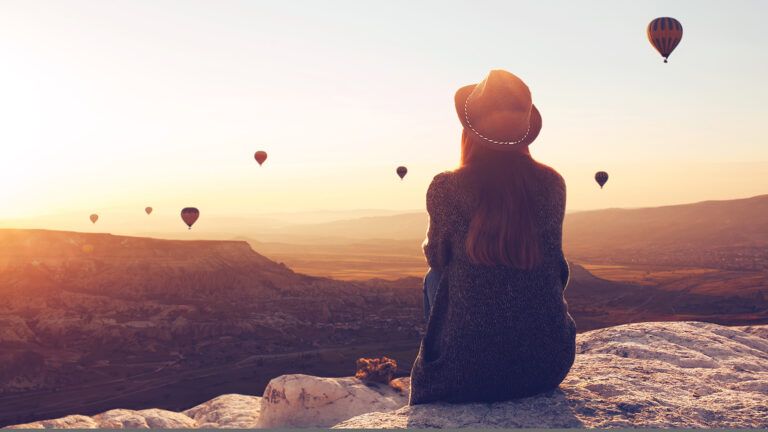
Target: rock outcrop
(658, 375)
(230, 411)
(308, 401)
(684, 375)
(118, 419)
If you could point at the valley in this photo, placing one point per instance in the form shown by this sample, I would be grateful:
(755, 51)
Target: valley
(92, 321)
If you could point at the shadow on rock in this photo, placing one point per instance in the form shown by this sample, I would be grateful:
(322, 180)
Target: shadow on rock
(548, 410)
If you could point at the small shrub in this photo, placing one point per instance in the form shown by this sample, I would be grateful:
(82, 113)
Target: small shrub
(380, 370)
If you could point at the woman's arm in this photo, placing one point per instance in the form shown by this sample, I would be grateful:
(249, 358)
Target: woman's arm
(565, 271)
(437, 244)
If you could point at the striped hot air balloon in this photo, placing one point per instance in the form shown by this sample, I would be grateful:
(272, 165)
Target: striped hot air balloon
(664, 34)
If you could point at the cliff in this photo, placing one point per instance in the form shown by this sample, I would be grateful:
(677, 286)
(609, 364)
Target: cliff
(91, 321)
(661, 374)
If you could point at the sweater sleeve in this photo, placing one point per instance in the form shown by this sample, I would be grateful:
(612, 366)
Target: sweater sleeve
(565, 271)
(437, 244)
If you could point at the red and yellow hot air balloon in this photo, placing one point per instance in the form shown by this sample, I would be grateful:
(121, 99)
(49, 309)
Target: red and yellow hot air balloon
(189, 215)
(94, 217)
(260, 156)
(664, 34)
(148, 210)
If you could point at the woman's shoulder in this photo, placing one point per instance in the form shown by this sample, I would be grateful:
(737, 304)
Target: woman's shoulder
(443, 180)
(550, 175)
(442, 188)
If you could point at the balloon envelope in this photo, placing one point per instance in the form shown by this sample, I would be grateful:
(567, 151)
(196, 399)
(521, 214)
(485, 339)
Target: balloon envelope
(601, 177)
(94, 217)
(148, 210)
(402, 171)
(664, 34)
(189, 215)
(260, 157)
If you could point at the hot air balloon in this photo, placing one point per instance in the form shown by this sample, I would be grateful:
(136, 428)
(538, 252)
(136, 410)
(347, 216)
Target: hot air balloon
(402, 171)
(601, 177)
(189, 215)
(87, 248)
(260, 156)
(664, 34)
(148, 210)
(94, 217)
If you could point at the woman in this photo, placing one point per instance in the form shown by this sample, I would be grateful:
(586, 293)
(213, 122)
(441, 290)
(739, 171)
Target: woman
(499, 327)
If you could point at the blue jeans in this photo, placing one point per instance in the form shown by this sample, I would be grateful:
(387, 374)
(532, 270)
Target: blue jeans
(431, 283)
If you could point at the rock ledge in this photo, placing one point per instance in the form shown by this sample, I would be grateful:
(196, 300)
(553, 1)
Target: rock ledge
(663, 374)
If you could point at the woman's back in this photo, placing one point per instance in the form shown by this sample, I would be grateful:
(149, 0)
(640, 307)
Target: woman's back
(499, 328)
(495, 332)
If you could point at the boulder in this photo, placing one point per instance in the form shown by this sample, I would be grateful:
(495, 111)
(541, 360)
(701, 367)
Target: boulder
(152, 418)
(118, 419)
(227, 411)
(308, 401)
(69, 422)
(657, 375)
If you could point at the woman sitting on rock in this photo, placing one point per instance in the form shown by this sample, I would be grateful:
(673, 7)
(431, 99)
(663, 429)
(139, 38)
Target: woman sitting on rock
(498, 326)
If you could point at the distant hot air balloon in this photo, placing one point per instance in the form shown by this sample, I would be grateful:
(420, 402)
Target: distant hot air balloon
(189, 215)
(601, 177)
(402, 171)
(664, 34)
(260, 156)
(87, 248)
(94, 217)
(148, 210)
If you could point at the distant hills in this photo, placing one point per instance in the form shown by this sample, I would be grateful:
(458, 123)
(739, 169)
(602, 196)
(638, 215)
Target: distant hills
(738, 222)
(729, 234)
(90, 321)
(394, 227)
(705, 261)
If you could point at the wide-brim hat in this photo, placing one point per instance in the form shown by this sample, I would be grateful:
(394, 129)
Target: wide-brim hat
(499, 111)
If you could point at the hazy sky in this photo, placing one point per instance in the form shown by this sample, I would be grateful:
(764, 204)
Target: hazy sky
(114, 105)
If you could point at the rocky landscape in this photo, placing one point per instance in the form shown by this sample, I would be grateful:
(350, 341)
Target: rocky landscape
(683, 375)
(89, 322)
(125, 321)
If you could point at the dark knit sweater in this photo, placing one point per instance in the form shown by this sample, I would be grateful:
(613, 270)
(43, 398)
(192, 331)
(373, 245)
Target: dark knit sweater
(494, 333)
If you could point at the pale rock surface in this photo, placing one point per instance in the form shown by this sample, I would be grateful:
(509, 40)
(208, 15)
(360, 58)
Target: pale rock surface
(149, 418)
(118, 419)
(69, 422)
(227, 411)
(685, 375)
(309, 401)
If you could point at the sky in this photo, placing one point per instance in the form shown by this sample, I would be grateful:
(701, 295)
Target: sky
(111, 106)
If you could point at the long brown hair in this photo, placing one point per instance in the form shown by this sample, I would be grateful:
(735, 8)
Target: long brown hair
(502, 230)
